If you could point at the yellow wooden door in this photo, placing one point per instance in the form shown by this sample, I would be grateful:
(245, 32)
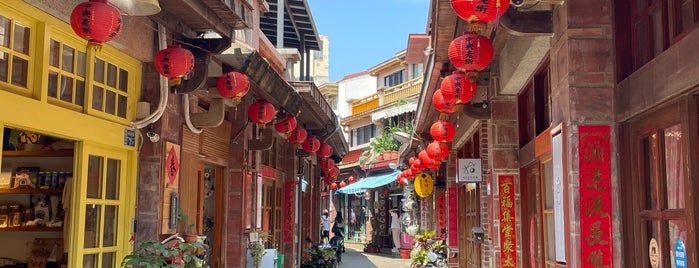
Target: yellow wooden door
(102, 207)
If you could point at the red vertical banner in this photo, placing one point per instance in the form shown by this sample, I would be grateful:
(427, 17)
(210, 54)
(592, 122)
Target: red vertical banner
(453, 224)
(508, 233)
(441, 210)
(289, 210)
(595, 196)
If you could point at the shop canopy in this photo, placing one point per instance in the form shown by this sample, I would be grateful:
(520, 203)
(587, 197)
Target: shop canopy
(369, 183)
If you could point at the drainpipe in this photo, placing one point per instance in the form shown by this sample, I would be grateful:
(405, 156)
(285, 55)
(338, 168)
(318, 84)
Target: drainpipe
(163, 82)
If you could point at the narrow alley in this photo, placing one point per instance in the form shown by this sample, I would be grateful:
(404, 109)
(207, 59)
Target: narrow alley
(355, 257)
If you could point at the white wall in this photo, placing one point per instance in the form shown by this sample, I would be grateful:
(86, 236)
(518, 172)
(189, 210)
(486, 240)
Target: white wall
(352, 89)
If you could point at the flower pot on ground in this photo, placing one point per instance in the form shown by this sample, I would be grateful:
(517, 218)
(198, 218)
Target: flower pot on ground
(189, 235)
(404, 253)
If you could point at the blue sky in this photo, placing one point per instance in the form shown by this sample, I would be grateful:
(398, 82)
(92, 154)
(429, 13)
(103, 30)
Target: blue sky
(364, 33)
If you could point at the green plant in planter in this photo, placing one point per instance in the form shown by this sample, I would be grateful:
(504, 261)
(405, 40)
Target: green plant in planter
(257, 250)
(152, 254)
(184, 218)
(384, 143)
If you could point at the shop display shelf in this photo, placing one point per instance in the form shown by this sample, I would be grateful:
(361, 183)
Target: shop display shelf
(31, 229)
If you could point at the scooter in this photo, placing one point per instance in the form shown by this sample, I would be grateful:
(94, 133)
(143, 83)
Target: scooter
(338, 244)
(321, 256)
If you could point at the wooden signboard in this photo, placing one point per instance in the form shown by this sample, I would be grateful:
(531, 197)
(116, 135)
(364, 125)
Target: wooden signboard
(170, 176)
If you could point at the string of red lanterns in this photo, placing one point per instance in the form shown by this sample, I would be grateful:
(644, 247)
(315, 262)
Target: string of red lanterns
(233, 85)
(286, 125)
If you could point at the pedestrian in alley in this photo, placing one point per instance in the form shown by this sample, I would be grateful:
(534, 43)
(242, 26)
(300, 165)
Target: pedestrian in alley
(395, 228)
(325, 226)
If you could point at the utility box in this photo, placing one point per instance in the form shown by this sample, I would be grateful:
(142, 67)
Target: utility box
(268, 260)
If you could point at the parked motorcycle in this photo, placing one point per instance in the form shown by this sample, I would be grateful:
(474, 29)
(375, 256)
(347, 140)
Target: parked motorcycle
(320, 256)
(338, 244)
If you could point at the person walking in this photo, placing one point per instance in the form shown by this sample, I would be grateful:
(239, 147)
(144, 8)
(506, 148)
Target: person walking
(325, 226)
(395, 229)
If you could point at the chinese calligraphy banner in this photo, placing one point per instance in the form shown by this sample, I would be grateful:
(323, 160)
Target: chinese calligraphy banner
(453, 224)
(441, 210)
(595, 196)
(508, 234)
(289, 210)
(171, 183)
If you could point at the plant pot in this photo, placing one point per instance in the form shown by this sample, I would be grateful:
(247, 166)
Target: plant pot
(190, 238)
(404, 253)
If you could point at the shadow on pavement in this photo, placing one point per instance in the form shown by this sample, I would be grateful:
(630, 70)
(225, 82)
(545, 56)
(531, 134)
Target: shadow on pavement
(355, 257)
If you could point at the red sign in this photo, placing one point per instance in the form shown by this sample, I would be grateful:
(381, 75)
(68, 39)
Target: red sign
(289, 210)
(173, 165)
(440, 211)
(508, 230)
(453, 224)
(595, 196)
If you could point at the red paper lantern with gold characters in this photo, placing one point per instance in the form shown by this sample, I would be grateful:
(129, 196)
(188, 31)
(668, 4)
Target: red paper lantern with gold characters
(297, 136)
(286, 125)
(96, 21)
(458, 87)
(442, 104)
(442, 131)
(326, 164)
(333, 173)
(325, 150)
(311, 145)
(482, 11)
(437, 150)
(173, 62)
(261, 112)
(470, 52)
(233, 85)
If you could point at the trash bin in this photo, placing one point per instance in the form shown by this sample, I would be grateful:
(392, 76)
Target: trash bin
(280, 260)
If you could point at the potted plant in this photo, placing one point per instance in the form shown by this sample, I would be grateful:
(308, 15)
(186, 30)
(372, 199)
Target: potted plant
(173, 254)
(371, 247)
(189, 236)
(257, 250)
(384, 146)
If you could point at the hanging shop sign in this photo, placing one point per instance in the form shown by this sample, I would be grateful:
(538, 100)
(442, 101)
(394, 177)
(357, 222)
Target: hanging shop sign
(469, 170)
(595, 196)
(424, 184)
(508, 234)
(289, 210)
(680, 254)
(453, 224)
(441, 210)
(653, 253)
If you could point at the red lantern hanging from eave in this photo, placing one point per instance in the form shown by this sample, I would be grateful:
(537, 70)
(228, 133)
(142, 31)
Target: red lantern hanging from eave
(416, 166)
(442, 104)
(333, 186)
(286, 125)
(437, 150)
(311, 145)
(326, 165)
(442, 131)
(334, 172)
(458, 87)
(297, 136)
(478, 10)
(261, 112)
(427, 161)
(470, 52)
(351, 179)
(233, 85)
(173, 63)
(96, 21)
(343, 184)
(325, 150)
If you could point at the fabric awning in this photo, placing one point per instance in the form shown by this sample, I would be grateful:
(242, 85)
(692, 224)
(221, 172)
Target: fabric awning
(393, 111)
(369, 183)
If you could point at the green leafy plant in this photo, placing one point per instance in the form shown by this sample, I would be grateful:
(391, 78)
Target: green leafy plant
(184, 218)
(152, 254)
(257, 250)
(384, 142)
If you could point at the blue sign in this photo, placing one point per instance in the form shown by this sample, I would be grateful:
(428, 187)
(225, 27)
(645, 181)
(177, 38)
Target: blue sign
(680, 254)
(129, 137)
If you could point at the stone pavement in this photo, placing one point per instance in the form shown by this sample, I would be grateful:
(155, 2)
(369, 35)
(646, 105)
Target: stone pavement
(355, 257)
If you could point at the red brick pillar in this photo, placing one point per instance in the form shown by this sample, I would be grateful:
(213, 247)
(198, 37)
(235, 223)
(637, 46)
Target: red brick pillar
(235, 245)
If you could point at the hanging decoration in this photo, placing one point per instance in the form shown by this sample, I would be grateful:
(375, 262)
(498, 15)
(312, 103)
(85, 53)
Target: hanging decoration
(311, 145)
(325, 150)
(443, 105)
(233, 85)
(297, 136)
(333, 172)
(470, 52)
(427, 161)
(333, 186)
(96, 21)
(286, 125)
(442, 131)
(416, 166)
(351, 179)
(437, 150)
(326, 165)
(261, 113)
(458, 87)
(480, 11)
(174, 62)
(343, 184)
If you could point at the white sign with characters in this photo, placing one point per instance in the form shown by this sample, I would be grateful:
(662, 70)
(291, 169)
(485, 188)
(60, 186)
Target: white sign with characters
(469, 170)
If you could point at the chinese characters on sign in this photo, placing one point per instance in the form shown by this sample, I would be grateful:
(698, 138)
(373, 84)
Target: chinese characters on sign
(424, 184)
(508, 234)
(453, 225)
(595, 196)
(440, 211)
(289, 210)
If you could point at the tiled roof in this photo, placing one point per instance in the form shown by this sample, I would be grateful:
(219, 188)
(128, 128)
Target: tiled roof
(352, 156)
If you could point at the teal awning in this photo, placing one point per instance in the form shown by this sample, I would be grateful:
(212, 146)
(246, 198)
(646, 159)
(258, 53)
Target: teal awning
(368, 183)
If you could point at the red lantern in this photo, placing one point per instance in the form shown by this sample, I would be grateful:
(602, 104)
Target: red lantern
(261, 112)
(174, 62)
(326, 165)
(287, 125)
(441, 104)
(333, 172)
(427, 161)
(416, 166)
(409, 174)
(343, 184)
(437, 150)
(311, 145)
(297, 136)
(479, 10)
(442, 131)
(325, 150)
(233, 85)
(351, 179)
(333, 186)
(458, 87)
(410, 160)
(470, 52)
(96, 21)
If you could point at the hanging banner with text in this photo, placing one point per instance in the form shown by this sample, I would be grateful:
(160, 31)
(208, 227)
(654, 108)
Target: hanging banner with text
(289, 210)
(441, 211)
(453, 220)
(508, 234)
(595, 196)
